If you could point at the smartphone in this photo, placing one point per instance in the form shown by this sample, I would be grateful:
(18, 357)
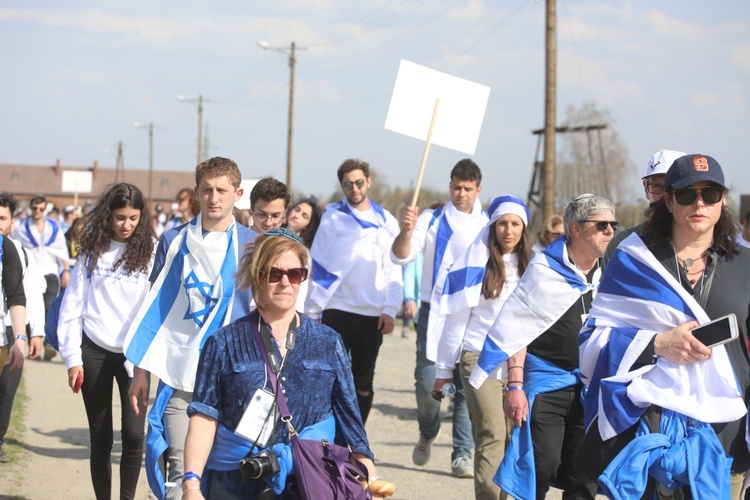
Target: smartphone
(78, 384)
(717, 332)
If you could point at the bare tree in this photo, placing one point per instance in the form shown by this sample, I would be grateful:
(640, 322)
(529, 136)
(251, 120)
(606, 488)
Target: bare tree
(593, 160)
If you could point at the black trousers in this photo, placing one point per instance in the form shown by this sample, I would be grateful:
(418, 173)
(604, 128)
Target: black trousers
(557, 431)
(102, 367)
(9, 382)
(362, 340)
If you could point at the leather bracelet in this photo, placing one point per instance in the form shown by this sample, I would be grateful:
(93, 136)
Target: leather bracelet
(21, 337)
(517, 366)
(513, 388)
(515, 382)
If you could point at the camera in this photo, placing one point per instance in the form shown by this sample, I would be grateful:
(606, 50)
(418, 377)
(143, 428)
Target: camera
(259, 465)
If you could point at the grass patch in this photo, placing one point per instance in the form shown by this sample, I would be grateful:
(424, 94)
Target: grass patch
(12, 473)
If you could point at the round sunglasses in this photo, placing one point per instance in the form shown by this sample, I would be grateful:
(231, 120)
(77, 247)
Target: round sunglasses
(710, 195)
(348, 185)
(295, 275)
(601, 225)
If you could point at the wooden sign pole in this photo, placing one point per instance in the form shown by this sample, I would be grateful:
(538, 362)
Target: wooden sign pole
(426, 153)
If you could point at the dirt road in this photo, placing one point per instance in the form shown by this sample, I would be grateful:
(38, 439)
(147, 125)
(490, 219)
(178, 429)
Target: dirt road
(55, 463)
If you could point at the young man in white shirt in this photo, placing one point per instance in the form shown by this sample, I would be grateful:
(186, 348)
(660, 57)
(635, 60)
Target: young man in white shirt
(355, 286)
(442, 235)
(45, 239)
(216, 240)
(269, 200)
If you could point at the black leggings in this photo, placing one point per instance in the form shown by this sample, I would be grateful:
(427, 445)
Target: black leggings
(100, 368)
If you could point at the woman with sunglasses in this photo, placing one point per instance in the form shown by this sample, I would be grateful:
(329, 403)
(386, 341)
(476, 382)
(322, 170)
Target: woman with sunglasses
(313, 371)
(658, 398)
(107, 286)
(502, 249)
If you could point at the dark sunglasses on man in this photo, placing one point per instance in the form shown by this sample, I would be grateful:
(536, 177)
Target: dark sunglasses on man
(601, 225)
(348, 185)
(710, 195)
(295, 275)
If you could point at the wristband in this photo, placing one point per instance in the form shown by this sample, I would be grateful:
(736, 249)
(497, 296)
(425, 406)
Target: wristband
(191, 476)
(21, 337)
(513, 388)
(515, 382)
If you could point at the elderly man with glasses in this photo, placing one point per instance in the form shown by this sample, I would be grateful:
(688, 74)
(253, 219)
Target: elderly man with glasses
(653, 188)
(355, 286)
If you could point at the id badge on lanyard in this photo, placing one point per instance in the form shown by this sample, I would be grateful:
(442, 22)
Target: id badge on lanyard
(260, 417)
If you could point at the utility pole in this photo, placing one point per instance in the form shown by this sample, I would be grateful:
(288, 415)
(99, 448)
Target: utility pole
(200, 127)
(550, 105)
(120, 165)
(150, 160)
(292, 50)
(292, 62)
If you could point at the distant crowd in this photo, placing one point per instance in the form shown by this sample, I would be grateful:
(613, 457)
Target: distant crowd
(573, 358)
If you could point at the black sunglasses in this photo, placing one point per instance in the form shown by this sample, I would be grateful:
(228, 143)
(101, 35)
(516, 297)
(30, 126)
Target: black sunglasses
(601, 225)
(710, 195)
(295, 275)
(348, 185)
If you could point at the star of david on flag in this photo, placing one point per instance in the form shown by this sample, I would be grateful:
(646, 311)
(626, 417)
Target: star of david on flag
(206, 291)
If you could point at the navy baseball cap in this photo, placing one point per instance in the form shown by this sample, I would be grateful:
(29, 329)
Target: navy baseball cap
(689, 169)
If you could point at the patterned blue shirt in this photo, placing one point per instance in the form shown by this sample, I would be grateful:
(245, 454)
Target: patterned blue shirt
(316, 376)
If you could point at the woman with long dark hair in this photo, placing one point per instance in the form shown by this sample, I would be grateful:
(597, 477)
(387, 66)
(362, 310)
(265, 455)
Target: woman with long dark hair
(303, 219)
(501, 252)
(106, 288)
(659, 398)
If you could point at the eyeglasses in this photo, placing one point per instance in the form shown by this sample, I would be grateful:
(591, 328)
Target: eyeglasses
(295, 275)
(654, 188)
(37, 209)
(601, 225)
(348, 185)
(263, 217)
(710, 195)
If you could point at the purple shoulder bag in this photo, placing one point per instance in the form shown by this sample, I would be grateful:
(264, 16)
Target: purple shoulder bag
(322, 470)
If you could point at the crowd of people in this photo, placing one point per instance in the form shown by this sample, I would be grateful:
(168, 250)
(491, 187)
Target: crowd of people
(570, 362)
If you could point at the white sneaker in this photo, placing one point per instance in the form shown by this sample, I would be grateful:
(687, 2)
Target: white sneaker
(422, 450)
(462, 467)
(405, 332)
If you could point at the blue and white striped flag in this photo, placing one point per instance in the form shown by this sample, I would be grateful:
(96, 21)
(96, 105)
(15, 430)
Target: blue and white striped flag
(190, 299)
(550, 285)
(638, 298)
(463, 284)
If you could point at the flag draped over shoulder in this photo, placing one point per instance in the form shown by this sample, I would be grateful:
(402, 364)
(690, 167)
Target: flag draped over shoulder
(191, 298)
(638, 298)
(462, 287)
(550, 285)
(455, 231)
(51, 237)
(341, 241)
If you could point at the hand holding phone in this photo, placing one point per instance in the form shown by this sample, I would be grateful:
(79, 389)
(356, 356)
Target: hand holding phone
(717, 332)
(78, 384)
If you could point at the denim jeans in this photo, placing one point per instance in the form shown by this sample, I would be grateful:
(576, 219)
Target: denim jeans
(428, 410)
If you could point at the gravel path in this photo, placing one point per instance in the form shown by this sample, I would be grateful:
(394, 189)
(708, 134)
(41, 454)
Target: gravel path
(55, 464)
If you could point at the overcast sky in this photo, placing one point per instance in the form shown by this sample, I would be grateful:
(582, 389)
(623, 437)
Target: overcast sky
(673, 73)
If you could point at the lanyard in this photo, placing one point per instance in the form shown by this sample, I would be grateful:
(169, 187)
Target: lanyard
(265, 346)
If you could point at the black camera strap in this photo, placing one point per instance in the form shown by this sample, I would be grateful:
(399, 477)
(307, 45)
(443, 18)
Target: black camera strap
(265, 346)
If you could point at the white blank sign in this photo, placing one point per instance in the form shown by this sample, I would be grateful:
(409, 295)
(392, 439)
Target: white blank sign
(461, 112)
(77, 181)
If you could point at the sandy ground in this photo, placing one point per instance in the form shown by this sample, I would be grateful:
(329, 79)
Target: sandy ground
(55, 463)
